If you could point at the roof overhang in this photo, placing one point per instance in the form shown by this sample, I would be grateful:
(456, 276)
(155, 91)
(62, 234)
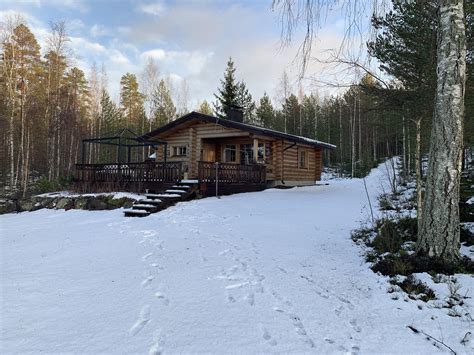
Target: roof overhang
(196, 116)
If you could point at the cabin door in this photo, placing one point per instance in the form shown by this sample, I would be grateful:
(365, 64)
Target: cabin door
(209, 152)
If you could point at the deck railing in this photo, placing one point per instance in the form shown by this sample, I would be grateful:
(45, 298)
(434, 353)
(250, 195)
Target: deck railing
(228, 173)
(129, 172)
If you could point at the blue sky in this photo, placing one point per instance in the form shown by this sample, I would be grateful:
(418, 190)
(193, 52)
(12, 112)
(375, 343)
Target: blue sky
(189, 40)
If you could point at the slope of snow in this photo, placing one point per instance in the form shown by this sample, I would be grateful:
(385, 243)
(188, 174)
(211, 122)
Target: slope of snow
(273, 271)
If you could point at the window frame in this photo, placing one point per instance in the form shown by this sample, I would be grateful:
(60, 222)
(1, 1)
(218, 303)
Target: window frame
(228, 148)
(263, 152)
(302, 158)
(176, 150)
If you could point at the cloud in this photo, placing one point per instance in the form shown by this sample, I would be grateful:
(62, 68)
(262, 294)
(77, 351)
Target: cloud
(98, 31)
(185, 62)
(155, 9)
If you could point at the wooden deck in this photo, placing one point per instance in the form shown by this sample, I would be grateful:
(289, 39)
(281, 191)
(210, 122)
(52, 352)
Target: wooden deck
(133, 177)
(154, 176)
(230, 178)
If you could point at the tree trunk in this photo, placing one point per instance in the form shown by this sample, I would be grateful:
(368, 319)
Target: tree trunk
(439, 235)
(419, 178)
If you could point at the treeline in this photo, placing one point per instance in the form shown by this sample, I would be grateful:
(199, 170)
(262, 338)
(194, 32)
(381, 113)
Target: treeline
(47, 106)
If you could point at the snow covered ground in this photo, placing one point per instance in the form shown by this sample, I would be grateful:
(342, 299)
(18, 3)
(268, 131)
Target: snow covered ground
(272, 271)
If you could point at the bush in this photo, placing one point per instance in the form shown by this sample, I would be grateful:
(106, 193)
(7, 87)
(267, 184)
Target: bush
(385, 204)
(467, 237)
(405, 264)
(43, 185)
(388, 239)
(416, 289)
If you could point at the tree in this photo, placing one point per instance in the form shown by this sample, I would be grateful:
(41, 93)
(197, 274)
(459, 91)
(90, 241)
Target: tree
(110, 114)
(291, 111)
(265, 112)
(20, 66)
(406, 49)
(439, 236)
(228, 95)
(163, 108)
(245, 101)
(205, 108)
(132, 102)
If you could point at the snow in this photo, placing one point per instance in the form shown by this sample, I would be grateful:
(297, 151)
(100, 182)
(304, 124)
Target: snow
(470, 201)
(271, 271)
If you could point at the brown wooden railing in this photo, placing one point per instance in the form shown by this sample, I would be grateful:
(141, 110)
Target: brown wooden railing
(232, 173)
(129, 172)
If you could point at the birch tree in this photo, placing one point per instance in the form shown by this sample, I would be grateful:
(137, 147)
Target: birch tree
(439, 235)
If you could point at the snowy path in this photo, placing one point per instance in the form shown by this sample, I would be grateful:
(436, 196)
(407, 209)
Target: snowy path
(273, 271)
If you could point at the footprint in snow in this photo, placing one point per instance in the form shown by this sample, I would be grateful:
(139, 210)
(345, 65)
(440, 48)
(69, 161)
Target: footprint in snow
(147, 281)
(143, 319)
(162, 297)
(266, 335)
(250, 298)
(144, 257)
(353, 322)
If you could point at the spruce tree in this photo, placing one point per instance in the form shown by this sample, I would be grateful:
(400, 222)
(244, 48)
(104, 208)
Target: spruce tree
(265, 112)
(163, 108)
(227, 96)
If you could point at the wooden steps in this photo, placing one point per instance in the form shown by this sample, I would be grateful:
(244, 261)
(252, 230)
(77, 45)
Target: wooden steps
(154, 202)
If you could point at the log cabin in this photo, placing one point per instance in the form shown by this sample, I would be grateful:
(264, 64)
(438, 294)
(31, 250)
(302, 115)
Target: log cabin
(240, 156)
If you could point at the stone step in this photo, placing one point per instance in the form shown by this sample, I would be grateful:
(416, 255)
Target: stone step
(151, 196)
(181, 187)
(171, 191)
(171, 196)
(136, 213)
(150, 202)
(146, 207)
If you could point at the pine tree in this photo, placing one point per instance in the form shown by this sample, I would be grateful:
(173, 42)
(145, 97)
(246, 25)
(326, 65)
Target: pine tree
(111, 116)
(132, 101)
(245, 101)
(205, 108)
(265, 112)
(163, 108)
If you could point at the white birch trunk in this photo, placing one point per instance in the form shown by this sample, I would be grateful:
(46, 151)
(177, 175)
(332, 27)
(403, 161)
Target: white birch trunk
(439, 235)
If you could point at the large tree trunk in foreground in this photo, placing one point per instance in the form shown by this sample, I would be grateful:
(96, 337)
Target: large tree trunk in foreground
(439, 235)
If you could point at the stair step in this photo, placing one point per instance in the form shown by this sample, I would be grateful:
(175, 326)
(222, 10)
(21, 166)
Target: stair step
(169, 196)
(175, 191)
(151, 196)
(136, 213)
(146, 207)
(150, 202)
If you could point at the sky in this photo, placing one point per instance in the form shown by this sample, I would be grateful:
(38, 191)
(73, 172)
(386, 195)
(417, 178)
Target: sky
(188, 39)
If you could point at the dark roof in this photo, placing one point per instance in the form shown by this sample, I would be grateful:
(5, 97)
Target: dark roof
(237, 125)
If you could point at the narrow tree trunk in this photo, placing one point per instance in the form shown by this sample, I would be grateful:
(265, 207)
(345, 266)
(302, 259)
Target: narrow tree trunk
(439, 235)
(419, 178)
(340, 140)
(404, 149)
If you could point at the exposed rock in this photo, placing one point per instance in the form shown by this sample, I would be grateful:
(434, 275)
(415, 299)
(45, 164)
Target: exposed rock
(80, 203)
(7, 206)
(26, 205)
(95, 204)
(65, 203)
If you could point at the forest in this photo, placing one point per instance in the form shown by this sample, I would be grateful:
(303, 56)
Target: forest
(47, 105)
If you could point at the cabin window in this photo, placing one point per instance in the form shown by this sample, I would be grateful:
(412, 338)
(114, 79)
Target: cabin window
(229, 153)
(261, 152)
(179, 151)
(302, 159)
(246, 154)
